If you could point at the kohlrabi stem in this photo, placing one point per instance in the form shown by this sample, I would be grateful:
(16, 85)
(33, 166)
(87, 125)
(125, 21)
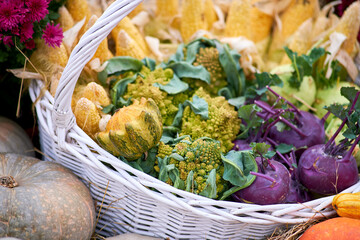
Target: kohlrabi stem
(269, 126)
(323, 119)
(292, 126)
(271, 165)
(263, 176)
(284, 159)
(348, 154)
(343, 122)
(286, 101)
(264, 106)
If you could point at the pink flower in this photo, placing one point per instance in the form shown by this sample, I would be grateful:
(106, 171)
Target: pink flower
(26, 31)
(30, 44)
(11, 14)
(8, 41)
(53, 35)
(37, 9)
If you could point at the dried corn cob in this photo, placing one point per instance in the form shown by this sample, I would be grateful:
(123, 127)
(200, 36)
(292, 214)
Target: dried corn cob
(134, 33)
(126, 46)
(293, 16)
(209, 14)
(192, 18)
(167, 9)
(261, 24)
(78, 9)
(48, 59)
(102, 52)
(349, 25)
(87, 116)
(139, 8)
(238, 19)
(300, 41)
(65, 19)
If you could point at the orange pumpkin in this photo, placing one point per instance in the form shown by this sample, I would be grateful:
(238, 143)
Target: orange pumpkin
(339, 228)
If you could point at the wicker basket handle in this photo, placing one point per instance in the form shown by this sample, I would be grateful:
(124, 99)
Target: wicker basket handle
(62, 114)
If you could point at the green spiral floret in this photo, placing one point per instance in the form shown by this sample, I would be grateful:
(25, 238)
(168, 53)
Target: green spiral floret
(222, 124)
(199, 157)
(143, 87)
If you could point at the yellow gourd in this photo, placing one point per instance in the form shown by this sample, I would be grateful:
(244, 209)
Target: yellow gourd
(347, 204)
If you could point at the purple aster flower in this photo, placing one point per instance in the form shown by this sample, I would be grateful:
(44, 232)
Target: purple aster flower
(11, 14)
(26, 31)
(7, 40)
(37, 9)
(53, 35)
(30, 44)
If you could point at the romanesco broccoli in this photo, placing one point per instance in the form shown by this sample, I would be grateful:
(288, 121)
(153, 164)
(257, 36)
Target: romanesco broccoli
(209, 58)
(198, 165)
(222, 124)
(143, 87)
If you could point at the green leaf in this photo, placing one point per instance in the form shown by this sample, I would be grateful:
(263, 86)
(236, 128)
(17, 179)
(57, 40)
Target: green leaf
(284, 148)
(149, 63)
(178, 56)
(169, 134)
(177, 157)
(186, 70)
(119, 65)
(229, 60)
(194, 46)
(120, 87)
(237, 102)
(177, 119)
(198, 106)
(108, 108)
(163, 173)
(237, 168)
(190, 184)
(210, 188)
(250, 120)
(175, 86)
(260, 148)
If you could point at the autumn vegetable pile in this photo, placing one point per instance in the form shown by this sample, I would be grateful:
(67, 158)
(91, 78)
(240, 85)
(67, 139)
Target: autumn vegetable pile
(246, 101)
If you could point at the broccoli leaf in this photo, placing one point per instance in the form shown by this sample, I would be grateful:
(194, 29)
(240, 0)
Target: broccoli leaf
(120, 87)
(149, 63)
(178, 56)
(190, 182)
(169, 134)
(175, 86)
(237, 102)
(210, 187)
(184, 69)
(198, 106)
(229, 60)
(237, 168)
(119, 65)
(193, 47)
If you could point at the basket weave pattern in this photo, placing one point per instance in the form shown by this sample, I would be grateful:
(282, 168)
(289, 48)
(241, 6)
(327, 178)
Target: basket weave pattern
(131, 201)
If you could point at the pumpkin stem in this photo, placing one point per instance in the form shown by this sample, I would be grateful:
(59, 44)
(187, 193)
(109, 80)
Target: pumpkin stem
(8, 181)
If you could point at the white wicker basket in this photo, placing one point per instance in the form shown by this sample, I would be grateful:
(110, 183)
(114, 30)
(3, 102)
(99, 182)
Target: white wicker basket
(126, 203)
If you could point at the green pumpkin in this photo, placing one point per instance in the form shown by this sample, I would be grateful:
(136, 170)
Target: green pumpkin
(132, 130)
(43, 200)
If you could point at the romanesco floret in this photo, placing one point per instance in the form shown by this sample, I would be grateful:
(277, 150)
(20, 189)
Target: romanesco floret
(143, 87)
(194, 161)
(222, 124)
(209, 58)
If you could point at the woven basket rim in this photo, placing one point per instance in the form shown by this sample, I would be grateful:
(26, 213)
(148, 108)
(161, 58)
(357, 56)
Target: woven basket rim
(62, 125)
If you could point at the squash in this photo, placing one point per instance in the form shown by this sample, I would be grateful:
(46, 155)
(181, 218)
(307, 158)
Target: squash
(43, 200)
(132, 130)
(14, 139)
(347, 204)
(338, 228)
